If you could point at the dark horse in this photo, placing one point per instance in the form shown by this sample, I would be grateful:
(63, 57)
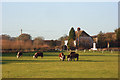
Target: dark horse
(38, 54)
(72, 55)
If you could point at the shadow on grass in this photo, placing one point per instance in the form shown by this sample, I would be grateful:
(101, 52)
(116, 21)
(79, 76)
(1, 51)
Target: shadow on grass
(56, 54)
(85, 61)
(100, 55)
(90, 61)
(26, 61)
(34, 61)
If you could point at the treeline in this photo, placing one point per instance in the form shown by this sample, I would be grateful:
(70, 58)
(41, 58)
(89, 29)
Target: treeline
(102, 40)
(26, 44)
(111, 38)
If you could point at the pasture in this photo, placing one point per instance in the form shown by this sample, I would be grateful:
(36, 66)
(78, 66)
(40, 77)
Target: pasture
(90, 65)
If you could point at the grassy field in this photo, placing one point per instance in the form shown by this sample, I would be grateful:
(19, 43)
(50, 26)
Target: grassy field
(90, 65)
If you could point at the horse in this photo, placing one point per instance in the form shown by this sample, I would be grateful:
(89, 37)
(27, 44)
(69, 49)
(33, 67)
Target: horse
(38, 54)
(19, 54)
(62, 56)
(72, 55)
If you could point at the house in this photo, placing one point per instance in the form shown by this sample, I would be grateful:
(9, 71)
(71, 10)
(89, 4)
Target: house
(83, 40)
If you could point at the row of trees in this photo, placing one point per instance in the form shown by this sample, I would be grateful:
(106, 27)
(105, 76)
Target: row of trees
(25, 42)
(103, 39)
(113, 39)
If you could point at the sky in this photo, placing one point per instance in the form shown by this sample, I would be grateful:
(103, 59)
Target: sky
(52, 20)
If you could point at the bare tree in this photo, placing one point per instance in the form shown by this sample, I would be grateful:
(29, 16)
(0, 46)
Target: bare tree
(38, 42)
(5, 37)
(28, 44)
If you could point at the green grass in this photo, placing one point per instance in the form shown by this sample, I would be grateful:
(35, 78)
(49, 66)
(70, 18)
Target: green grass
(90, 65)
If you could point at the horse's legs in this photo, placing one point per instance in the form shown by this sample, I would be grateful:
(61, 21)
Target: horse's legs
(77, 58)
(17, 56)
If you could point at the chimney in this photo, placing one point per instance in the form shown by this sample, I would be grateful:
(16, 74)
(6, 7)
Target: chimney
(78, 29)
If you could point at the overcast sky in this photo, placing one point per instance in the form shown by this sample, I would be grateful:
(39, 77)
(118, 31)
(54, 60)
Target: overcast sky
(54, 19)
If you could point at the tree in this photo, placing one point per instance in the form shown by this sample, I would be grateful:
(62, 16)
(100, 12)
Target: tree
(53, 43)
(6, 44)
(101, 40)
(71, 39)
(5, 41)
(38, 42)
(5, 37)
(72, 34)
(63, 38)
(71, 44)
(28, 44)
(117, 31)
(24, 37)
(109, 37)
(21, 41)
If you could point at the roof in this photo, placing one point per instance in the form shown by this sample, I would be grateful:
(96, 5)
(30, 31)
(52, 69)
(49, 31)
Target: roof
(81, 33)
(95, 36)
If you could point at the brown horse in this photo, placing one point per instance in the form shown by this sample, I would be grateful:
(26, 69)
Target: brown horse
(72, 56)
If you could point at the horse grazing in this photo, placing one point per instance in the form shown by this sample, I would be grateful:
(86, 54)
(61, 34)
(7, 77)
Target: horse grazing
(62, 56)
(19, 54)
(38, 54)
(72, 56)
